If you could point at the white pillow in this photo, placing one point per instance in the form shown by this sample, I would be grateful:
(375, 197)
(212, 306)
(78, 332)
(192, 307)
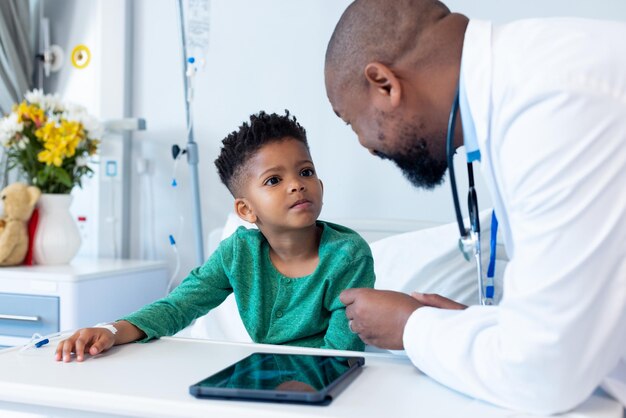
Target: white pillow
(232, 223)
(429, 261)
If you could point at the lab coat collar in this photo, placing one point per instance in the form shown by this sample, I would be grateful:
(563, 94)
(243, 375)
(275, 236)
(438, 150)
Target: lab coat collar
(476, 107)
(469, 130)
(475, 85)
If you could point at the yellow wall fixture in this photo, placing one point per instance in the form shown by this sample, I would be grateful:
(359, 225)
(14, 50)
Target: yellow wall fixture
(81, 55)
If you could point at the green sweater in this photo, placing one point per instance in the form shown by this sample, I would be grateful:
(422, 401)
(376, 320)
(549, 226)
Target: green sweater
(275, 309)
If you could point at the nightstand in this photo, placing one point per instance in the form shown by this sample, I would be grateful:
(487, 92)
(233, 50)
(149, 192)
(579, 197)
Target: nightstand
(48, 299)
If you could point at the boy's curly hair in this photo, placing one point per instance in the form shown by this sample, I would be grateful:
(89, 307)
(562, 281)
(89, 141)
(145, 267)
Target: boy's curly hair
(240, 145)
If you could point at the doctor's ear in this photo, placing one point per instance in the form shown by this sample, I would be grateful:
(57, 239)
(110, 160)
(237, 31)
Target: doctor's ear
(244, 211)
(384, 85)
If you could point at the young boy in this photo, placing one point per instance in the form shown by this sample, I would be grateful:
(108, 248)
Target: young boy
(286, 275)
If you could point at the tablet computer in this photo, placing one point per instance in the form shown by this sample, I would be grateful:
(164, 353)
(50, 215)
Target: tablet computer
(293, 378)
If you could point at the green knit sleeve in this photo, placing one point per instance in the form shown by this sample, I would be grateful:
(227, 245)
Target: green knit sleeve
(202, 290)
(358, 273)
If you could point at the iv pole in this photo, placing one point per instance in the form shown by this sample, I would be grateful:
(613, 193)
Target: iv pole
(192, 147)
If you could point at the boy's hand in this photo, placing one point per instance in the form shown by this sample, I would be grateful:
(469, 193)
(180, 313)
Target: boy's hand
(85, 340)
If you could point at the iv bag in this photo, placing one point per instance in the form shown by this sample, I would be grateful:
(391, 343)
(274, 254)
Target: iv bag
(196, 14)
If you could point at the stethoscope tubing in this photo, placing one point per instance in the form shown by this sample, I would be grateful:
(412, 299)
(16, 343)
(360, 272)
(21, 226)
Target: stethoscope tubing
(473, 233)
(450, 156)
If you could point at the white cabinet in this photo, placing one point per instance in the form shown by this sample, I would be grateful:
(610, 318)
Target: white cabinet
(48, 299)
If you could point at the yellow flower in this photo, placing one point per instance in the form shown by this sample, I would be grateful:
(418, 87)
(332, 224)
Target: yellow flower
(50, 157)
(71, 133)
(47, 132)
(26, 112)
(59, 141)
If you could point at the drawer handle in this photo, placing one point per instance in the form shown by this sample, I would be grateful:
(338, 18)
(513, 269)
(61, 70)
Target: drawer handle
(20, 317)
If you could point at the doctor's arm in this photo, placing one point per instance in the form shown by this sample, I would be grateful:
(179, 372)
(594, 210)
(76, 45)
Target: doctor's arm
(560, 328)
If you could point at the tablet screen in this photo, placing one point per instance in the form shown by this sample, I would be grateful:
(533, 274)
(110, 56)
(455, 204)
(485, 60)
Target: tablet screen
(280, 377)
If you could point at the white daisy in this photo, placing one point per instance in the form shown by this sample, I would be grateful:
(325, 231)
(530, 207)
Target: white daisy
(92, 126)
(37, 97)
(82, 161)
(74, 111)
(9, 126)
(53, 103)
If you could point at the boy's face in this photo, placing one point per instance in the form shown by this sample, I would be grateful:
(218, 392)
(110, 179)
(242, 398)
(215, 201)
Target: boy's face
(281, 190)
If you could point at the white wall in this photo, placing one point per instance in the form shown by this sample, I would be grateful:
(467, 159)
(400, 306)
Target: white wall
(507, 10)
(269, 55)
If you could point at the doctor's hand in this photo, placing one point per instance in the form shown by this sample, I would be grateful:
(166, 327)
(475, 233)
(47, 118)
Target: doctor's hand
(436, 301)
(379, 316)
(86, 340)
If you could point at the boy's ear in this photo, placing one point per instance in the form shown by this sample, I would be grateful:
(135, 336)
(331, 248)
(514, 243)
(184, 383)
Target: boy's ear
(244, 211)
(322, 185)
(385, 87)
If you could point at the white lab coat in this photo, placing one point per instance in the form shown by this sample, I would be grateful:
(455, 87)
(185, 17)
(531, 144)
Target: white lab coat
(548, 100)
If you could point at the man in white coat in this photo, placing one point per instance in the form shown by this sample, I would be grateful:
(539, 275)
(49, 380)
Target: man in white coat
(543, 106)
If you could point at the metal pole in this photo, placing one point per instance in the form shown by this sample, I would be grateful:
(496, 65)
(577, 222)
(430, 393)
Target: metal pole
(192, 147)
(127, 136)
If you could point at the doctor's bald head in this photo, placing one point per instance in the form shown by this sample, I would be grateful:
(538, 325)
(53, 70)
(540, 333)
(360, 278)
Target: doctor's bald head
(376, 31)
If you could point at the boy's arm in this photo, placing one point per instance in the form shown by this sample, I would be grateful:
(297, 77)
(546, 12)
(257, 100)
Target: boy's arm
(359, 273)
(197, 294)
(205, 288)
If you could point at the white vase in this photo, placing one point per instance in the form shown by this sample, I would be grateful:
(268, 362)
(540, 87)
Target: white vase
(57, 238)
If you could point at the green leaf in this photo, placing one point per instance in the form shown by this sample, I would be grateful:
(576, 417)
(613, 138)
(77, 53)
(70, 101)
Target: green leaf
(62, 176)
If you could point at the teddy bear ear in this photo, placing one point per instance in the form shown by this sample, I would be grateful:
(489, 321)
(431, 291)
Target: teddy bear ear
(34, 194)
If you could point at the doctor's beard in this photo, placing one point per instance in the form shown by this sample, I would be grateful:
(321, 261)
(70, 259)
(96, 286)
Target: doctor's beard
(417, 163)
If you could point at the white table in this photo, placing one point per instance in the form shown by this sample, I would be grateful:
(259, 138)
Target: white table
(47, 299)
(152, 380)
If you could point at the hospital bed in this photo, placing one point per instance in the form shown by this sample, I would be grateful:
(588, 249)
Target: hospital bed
(409, 255)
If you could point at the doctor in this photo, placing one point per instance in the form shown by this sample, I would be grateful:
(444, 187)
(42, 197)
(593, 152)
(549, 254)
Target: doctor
(543, 107)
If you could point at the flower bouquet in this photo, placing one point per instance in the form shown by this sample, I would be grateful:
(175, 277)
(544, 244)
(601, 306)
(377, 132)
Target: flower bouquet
(50, 142)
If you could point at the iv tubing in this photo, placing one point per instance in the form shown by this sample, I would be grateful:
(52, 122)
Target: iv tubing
(192, 147)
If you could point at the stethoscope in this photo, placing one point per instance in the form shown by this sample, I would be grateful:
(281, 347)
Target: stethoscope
(469, 242)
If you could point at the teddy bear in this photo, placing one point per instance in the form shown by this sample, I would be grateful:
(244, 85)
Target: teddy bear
(18, 200)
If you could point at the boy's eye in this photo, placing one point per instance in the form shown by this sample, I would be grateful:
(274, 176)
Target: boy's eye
(272, 181)
(307, 172)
